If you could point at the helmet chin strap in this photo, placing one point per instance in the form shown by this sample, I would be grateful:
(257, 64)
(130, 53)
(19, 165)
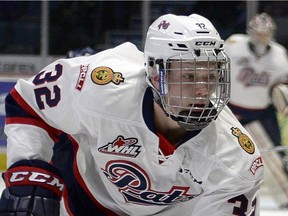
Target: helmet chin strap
(157, 99)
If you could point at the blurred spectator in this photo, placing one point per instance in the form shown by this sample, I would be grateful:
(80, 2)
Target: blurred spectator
(80, 52)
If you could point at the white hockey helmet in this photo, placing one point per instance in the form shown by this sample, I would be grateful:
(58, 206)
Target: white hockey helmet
(261, 29)
(187, 40)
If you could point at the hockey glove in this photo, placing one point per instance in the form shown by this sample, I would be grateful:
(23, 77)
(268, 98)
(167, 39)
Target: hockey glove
(31, 190)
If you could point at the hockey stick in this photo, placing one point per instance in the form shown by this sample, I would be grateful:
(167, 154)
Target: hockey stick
(275, 177)
(276, 149)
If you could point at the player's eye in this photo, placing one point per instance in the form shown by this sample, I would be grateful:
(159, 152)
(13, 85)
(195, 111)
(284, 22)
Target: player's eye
(212, 78)
(188, 77)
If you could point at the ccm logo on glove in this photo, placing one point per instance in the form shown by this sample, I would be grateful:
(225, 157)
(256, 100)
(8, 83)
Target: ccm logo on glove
(34, 176)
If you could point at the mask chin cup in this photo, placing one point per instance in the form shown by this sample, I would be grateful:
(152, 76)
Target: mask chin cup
(196, 122)
(196, 125)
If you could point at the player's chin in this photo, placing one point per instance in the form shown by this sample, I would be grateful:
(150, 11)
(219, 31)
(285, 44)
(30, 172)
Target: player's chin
(196, 110)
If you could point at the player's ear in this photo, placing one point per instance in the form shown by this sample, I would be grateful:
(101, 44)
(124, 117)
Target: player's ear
(155, 81)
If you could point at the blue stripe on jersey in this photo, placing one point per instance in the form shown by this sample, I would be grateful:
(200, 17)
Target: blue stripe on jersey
(79, 202)
(13, 109)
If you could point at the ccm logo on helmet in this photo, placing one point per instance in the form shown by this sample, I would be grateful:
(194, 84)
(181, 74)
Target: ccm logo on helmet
(205, 43)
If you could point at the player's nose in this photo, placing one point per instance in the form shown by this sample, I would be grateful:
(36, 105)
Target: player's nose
(201, 89)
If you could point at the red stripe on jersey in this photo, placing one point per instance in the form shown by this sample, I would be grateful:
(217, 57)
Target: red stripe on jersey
(166, 147)
(38, 121)
(82, 183)
(52, 132)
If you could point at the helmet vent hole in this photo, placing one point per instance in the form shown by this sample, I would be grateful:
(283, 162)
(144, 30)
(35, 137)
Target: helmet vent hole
(178, 33)
(202, 32)
(182, 46)
(179, 47)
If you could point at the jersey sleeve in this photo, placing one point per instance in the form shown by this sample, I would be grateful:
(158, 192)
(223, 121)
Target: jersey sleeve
(233, 197)
(38, 110)
(281, 63)
(237, 171)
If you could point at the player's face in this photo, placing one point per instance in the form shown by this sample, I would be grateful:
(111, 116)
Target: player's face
(261, 37)
(191, 85)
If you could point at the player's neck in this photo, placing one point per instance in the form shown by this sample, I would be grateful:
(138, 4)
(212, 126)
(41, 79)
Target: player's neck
(167, 127)
(259, 51)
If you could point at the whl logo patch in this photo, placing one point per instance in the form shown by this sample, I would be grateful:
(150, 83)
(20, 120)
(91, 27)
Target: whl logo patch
(121, 146)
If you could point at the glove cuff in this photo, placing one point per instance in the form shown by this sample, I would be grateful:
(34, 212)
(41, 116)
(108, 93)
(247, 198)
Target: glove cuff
(34, 176)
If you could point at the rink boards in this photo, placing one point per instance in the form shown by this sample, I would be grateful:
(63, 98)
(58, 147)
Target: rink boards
(6, 84)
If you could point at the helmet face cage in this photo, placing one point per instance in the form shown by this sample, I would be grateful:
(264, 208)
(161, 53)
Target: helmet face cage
(180, 85)
(186, 53)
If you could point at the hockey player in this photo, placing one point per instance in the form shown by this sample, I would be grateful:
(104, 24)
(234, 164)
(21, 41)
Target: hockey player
(258, 63)
(96, 134)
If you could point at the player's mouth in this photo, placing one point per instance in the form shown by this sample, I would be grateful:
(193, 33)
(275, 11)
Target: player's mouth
(198, 110)
(198, 107)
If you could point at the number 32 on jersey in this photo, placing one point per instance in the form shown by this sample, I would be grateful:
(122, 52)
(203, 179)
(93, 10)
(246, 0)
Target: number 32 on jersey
(48, 95)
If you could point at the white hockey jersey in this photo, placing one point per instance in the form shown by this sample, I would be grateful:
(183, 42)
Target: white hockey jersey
(253, 77)
(102, 103)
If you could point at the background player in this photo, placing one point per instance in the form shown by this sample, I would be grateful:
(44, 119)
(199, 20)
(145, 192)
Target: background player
(258, 63)
(90, 130)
